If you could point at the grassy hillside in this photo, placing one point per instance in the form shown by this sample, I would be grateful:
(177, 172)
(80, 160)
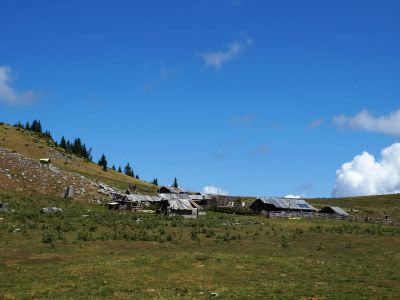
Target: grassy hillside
(374, 206)
(35, 146)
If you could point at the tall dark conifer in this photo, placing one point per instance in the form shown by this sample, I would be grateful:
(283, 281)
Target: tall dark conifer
(175, 184)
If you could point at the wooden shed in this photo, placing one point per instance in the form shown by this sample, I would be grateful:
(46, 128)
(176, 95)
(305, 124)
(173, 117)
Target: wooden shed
(281, 204)
(179, 205)
(333, 210)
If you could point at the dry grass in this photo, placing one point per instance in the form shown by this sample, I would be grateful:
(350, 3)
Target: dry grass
(34, 146)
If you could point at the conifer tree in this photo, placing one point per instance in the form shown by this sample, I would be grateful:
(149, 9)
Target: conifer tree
(63, 143)
(103, 162)
(155, 181)
(119, 169)
(36, 126)
(128, 170)
(175, 184)
(113, 168)
(137, 176)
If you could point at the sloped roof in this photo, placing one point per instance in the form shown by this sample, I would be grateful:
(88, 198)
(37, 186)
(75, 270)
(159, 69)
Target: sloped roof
(174, 196)
(142, 198)
(199, 197)
(180, 204)
(336, 210)
(170, 189)
(285, 203)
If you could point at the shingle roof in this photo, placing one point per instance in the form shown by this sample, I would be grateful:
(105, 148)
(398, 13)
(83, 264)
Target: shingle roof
(141, 198)
(174, 196)
(171, 189)
(337, 210)
(180, 204)
(200, 197)
(285, 203)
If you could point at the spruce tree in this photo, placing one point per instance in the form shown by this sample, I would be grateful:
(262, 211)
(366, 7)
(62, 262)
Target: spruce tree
(175, 184)
(137, 176)
(113, 168)
(103, 162)
(155, 181)
(63, 143)
(128, 170)
(119, 169)
(36, 126)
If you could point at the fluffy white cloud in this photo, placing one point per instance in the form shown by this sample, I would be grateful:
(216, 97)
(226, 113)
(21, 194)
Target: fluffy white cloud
(216, 59)
(365, 175)
(388, 124)
(7, 93)
(292, 196)
(213, 190)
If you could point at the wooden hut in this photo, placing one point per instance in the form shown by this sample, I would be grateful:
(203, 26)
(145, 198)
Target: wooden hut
(281, 204)
(179, 205)
(333, 210)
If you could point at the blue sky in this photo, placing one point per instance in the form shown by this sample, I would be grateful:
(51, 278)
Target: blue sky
(254, 97)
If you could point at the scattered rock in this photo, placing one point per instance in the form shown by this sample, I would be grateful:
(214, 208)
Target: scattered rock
(50, 210)
(70, 192)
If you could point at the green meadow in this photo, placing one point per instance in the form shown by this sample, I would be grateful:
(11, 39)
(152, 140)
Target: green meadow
(89, 252)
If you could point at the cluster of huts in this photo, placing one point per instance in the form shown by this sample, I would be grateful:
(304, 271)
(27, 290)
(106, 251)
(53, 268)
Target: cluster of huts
(172, 201)
(169, 201)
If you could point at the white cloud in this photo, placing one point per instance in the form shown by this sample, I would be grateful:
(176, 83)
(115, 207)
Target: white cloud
(216, 59)
(292, 196)
(387, 124)
(213, 190)
(365, 175)
(7, 93)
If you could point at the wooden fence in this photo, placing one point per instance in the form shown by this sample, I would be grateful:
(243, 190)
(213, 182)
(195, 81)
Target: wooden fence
(301, 214)
(314, 215)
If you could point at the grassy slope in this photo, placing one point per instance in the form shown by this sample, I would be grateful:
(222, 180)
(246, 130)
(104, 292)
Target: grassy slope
(36, 147)
(374, 206)
(112, 255)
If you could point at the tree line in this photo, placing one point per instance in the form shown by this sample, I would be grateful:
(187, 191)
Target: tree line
(78, 148)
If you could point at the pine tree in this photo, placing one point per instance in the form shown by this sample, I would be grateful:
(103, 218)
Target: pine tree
(113, 168)
(63, 143)
(36, 126)
(128, 170)
(77, 147)
(137, 176)
(27, 126)
(155, 181)
(119, 169)
(175, 185)
(103, 162)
